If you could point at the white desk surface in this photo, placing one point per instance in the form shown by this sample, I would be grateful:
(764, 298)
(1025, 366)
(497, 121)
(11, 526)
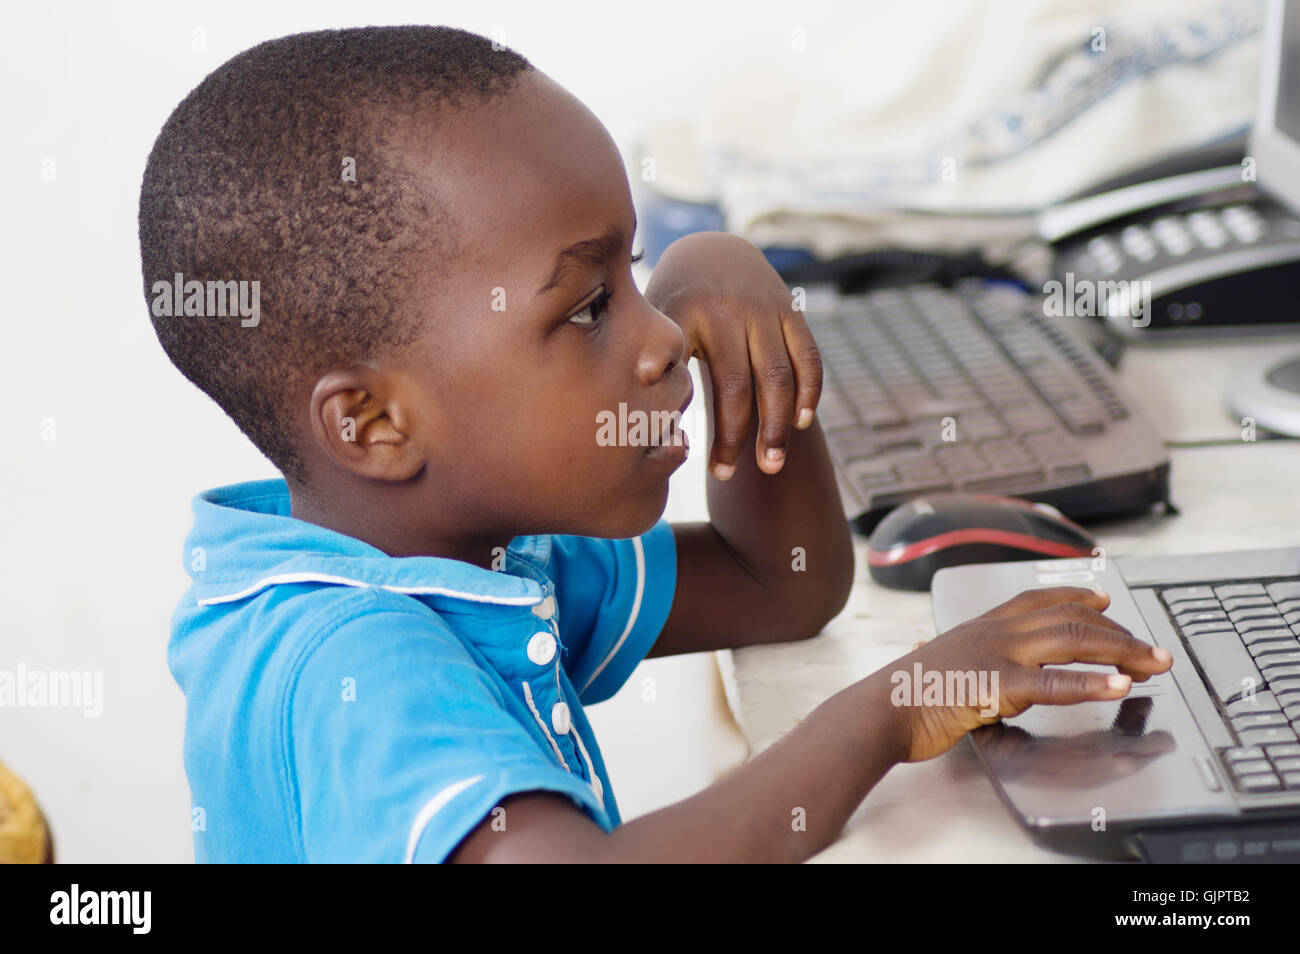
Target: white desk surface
(1237, 496)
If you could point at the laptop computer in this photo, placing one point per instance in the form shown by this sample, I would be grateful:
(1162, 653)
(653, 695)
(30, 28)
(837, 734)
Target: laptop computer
(1201, 764)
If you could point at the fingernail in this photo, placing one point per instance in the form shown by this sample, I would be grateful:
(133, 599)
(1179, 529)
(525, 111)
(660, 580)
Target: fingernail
(805, 418)
(723, 471)
(1163, 655)
(1118, 682)
(775, 455)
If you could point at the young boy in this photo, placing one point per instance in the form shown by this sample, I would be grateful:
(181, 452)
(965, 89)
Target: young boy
(386, 655)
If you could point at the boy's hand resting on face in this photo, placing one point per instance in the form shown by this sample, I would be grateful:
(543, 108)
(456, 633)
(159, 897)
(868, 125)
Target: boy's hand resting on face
(1015, 640)
(739, 319)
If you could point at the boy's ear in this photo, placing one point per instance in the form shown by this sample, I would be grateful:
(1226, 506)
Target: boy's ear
(359, 419)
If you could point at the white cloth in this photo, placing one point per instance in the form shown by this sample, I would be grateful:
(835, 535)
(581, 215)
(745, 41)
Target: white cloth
(965, 108)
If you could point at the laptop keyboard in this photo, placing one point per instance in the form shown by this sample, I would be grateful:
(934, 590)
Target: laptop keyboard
(1242, 637)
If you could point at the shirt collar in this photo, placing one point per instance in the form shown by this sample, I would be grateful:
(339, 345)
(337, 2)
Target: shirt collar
(244, 541)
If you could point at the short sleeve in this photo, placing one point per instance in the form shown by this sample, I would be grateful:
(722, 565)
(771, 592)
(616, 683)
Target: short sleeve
(614, 597)
(401, 744)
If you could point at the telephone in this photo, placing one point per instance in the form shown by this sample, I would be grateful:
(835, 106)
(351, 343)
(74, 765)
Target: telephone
(1193, 255)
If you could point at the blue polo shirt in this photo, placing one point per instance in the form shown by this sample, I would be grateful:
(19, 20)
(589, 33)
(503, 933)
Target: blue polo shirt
(345, 705)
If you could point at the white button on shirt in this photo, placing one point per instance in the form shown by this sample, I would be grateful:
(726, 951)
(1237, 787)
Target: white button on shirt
(541, 648)
(560, 720)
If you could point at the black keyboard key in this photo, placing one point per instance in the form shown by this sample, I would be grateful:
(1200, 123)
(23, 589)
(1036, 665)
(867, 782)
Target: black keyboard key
(1227, 666)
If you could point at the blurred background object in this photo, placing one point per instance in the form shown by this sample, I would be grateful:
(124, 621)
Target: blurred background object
(24, 837)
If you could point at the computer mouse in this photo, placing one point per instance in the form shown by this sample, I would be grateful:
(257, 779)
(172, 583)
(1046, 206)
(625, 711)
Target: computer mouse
(917, 538)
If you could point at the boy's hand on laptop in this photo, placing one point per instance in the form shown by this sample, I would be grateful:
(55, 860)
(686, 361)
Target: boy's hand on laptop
(740, 320)
(1006, 649)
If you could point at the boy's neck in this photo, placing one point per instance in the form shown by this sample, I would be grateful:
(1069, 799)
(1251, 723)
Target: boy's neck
(369, 525)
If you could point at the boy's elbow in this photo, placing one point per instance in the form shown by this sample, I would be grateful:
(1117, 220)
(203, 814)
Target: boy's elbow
(820, 603)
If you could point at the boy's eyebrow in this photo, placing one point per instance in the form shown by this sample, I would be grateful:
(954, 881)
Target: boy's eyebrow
(585, 254)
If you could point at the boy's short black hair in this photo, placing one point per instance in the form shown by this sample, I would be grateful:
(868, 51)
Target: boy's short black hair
(248, 181)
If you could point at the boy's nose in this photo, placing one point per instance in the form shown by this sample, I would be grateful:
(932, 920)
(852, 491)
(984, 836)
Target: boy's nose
(663, 349)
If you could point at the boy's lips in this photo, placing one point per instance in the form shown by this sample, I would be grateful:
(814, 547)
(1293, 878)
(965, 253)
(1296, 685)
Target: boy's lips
(672, 444)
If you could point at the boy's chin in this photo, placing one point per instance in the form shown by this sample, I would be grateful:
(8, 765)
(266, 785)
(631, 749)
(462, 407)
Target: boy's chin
(633, 516)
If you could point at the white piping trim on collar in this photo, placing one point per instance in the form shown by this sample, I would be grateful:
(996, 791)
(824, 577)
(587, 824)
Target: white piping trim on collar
(431, 808)
(528, 696)
(596, 785)
(631, 620)
(311, 577)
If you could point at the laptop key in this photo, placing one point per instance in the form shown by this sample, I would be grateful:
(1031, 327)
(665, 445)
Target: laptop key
(1287, 765)
(1253, 612)
(1199, 629)
(1268, 622)
(1259, 702)
(1251, 767)
(1200, 616)
(1227, 666)
(1262, 635)
(1275, 671)
(1285, 590)
(1291, 779)
(1260, 783)
(1243, 753)
(1287, 750)
(1284, 687)
(1276, 733)
(1191, 606)
(1239, 589)
(1260, 720)
(1180, 593)
(1243, 602)
(1266, 648)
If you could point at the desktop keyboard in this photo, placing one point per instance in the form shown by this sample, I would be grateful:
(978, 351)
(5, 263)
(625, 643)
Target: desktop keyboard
(974, 389)
(1242, 637)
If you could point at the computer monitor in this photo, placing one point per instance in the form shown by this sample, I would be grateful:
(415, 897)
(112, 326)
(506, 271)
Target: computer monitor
(1275, 139)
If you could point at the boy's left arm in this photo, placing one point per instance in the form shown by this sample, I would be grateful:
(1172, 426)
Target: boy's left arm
(775, 562)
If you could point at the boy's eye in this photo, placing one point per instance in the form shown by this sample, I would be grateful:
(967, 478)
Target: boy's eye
(591, 314)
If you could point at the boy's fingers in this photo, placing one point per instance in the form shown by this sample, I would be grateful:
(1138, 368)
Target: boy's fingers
(775, 382)
(1060, 615)
(1031, 600)
(1063, 687)
(1087, 643)
(732, 400)
(807, 363)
